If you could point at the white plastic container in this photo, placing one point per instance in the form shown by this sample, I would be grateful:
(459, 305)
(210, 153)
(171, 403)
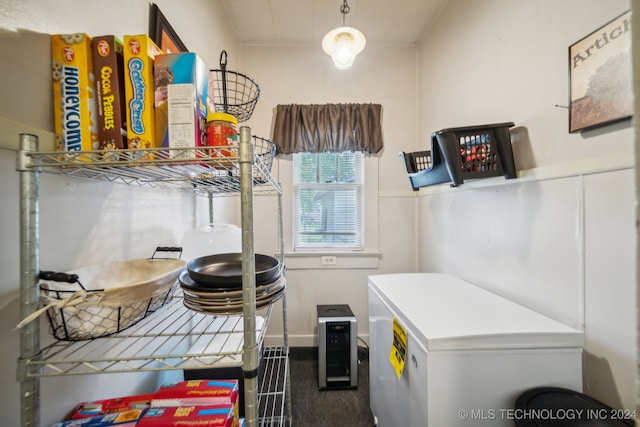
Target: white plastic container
(211, 239)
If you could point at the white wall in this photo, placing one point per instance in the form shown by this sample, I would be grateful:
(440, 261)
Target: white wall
(83, 222)
(305, 75)
(561, 238)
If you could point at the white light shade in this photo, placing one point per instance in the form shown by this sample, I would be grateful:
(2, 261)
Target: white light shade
(343, 45)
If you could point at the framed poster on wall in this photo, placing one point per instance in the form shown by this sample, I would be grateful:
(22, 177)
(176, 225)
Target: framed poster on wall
(600, 77)
(162, 33)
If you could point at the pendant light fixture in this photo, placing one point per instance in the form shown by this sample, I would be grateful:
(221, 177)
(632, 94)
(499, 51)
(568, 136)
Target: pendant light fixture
(344, 43)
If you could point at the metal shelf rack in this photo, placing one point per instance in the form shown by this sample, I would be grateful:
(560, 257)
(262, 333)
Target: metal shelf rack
(175, 337)
(202, 170)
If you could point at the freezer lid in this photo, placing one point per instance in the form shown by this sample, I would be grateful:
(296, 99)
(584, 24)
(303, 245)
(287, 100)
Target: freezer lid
(448, 313)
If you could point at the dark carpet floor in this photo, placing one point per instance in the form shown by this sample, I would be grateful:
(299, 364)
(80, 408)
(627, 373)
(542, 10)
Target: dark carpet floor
(313, 408)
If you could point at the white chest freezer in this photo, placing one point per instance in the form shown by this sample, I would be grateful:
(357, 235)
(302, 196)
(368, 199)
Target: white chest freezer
(469, 352)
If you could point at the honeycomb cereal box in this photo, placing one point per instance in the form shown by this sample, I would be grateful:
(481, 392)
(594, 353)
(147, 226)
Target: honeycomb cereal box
(108, 63)
(181, 84)
(139, 52)
(75, 108)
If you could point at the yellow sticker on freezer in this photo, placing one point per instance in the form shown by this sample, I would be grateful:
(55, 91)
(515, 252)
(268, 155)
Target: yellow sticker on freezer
(398, 347)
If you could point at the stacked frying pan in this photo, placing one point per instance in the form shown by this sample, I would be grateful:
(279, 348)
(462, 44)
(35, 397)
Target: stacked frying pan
(213, 284)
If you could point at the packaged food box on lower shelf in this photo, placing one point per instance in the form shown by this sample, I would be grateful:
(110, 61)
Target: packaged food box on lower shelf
(221, 373)
(197, 392)
(192, 393)
(109, 406)
(190, 415)
(120, 419)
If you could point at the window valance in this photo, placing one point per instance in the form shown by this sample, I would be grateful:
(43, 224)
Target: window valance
(335, 128)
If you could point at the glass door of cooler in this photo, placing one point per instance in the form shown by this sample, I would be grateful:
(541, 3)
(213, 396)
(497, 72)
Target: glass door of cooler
(338, 353)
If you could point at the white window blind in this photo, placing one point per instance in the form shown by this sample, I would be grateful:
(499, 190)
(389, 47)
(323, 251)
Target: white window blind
(328, 190)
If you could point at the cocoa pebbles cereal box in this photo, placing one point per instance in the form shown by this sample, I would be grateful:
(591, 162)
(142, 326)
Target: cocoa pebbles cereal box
(74, 99)
(108, 64)
(139, 52)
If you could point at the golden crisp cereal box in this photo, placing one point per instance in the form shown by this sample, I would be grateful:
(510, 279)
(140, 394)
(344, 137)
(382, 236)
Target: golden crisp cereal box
(108, 64)
(139, 52)
(75, 109)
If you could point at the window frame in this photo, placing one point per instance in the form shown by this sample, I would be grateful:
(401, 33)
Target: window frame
(310, 260)
(336, 187)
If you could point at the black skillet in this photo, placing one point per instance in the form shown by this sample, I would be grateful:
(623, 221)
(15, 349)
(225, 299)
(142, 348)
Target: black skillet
(225, 270)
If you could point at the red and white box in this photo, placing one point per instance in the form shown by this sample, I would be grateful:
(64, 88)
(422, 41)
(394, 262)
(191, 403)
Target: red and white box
(119, 419)
(197, 392)
(192, 415)
(108, 406)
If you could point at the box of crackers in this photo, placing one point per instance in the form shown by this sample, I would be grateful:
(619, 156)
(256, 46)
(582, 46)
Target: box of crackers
(119, 419)
(181, 85)
(74, 98)
(96, 408)
(190, 415)
(108, 64)
(139, 53)
(197, 392)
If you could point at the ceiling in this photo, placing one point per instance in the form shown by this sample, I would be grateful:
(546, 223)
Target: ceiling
(273, 22)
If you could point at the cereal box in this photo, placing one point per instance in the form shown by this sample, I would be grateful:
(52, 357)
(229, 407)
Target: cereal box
(190, 415)
(108, 63)
(108, 406)
(181, 85)
(139, 52)
(119, 419)
(75, 117)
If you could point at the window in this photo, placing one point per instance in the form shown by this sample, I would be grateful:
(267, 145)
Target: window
(328, 199)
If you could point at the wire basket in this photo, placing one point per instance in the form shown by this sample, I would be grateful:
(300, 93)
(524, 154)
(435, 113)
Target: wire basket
(233, 92)
(264, 152)
(92, 320)
(76, 313)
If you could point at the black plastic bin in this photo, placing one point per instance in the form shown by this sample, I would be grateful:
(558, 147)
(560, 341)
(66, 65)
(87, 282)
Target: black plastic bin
(560, 407)
(463, 153)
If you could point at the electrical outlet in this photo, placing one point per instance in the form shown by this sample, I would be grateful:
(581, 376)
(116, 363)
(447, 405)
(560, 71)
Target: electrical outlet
(329, 260)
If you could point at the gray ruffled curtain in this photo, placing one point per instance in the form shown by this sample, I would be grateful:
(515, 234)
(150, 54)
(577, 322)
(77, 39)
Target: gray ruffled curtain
(335, 128)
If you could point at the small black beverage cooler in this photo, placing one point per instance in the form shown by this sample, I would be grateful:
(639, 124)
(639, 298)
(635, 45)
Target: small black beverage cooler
(337, 347)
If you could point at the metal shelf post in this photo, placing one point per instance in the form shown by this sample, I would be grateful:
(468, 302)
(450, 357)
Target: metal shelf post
(250, 353)
(29, 268)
